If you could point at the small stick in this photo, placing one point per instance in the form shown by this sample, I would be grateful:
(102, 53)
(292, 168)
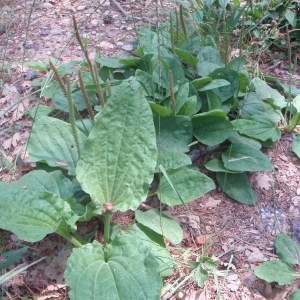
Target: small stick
(120, 8)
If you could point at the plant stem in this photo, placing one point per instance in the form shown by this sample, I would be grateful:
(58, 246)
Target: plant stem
(74, 238)
(173, 101)
(72, 115)
(106, 219)
(182, 20)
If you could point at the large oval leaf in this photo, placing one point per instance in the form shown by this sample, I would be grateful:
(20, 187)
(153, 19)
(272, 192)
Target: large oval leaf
(296, 146)
(172, 160)
(212, 128)
(52, 141)
(119, 157)
(287, 249)
(183, 185)
(173, 132)
(161, 224)
(266, 92)
(243, 158)
(254, 106)
(124, 271)
(276, 271)
(155, 243)
(237, 187)
(258, 128)
(33, 207)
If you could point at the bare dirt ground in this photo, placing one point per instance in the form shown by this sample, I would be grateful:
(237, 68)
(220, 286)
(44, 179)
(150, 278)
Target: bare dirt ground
(239, 236)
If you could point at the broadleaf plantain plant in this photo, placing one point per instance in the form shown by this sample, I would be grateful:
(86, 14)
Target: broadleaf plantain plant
(113, 173)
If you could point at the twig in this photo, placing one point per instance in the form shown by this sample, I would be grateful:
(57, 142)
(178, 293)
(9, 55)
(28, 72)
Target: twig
(121, 9)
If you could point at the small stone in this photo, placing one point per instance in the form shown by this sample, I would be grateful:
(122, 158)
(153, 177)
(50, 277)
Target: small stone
(80, 7)
(129, 28)
(31, 74)
(127, 47)
(106, 45)
(44, 32)
(94, 22)
(233, 287)
(296, 200)
(55, 31)
(65, 22)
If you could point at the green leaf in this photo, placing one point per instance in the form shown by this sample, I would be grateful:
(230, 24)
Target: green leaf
(53, 91)
(11, 256)
(216, 165)
(253, 107)
(296, 146)
(228, 91)
(296, 103)
(34, 206)
(200, 275)
(241, 157)
(154, 242)
(287, 249)
(276, 271)
(144, 79)
(237, 187)
(185, 56)
(265, 92)
(109, 62)
(30, 215)
(51, 141)
(189, 185)
(162, 65)
(173, 132)
(295, 295)
(236, 138)
(209, 60)
(212, 128)
(161, 110)
(172, 160)
(216, 83)
(124, 270)
(40, 111)
(200, 83)
(185, 105)
(38, 65)
(259, 128)
(161, 224)
(119, 157)
(237, 64)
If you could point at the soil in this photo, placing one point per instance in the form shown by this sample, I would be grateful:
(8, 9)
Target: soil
(239, 237)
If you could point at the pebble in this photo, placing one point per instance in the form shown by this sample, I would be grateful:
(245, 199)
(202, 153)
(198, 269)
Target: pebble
(55, 31)
(44, 32)
(81, 7)
(31, 74)
(106, 45)
(127, 47)
(65, 22)
(94, 22)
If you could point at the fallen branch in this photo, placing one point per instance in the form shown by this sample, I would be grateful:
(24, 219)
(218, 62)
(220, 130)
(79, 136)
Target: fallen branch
(121, 9)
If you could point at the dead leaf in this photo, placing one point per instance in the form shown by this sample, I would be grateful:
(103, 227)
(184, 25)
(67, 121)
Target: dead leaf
(254, 255)
(20, 110)
(197, 295)
(211, 202)
(202, 239)
(264, 182)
